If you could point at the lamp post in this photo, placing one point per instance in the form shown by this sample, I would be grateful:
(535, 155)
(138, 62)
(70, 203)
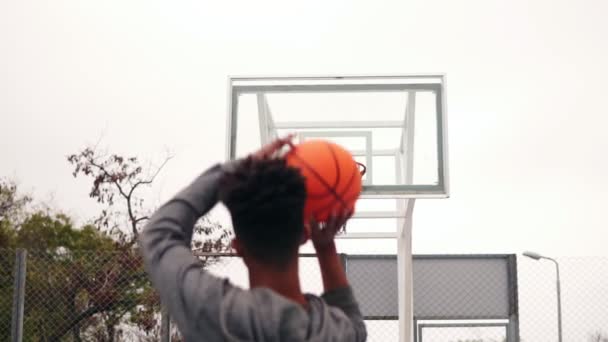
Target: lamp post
(537, 256)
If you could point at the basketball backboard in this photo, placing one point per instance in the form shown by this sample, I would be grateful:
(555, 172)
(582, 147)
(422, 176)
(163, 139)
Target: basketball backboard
(395, 125)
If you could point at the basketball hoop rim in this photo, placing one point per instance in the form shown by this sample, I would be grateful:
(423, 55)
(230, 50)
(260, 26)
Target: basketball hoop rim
(362, 168)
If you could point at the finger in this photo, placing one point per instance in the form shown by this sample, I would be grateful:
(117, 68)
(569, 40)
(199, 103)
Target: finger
(349, 213)
(289, 137)
(271, 147)
(346, 215)
(284, 141)
(332, 220)
(339, 214)
(288, 140)
(342, 218)
(314, 225)
(277, 146)
(337, 224)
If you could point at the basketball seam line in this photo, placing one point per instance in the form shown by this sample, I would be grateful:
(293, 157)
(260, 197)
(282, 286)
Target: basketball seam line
(321, 180)
(337, 181)
(336, 164)
(344, 200)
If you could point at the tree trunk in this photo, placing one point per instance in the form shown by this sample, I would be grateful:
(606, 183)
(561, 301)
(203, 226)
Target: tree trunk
(76, 333)
(110, 330)
(76, 327)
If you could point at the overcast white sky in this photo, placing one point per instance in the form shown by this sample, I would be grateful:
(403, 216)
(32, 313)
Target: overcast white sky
(526, 98)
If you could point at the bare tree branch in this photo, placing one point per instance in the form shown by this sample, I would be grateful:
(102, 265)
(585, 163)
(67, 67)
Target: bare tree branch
(126, 196)
(142, 219)
(151, 179)
(121, 173)
(134, 220)
(107, 174)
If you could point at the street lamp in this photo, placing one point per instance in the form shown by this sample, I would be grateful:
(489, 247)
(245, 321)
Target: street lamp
(537, 256)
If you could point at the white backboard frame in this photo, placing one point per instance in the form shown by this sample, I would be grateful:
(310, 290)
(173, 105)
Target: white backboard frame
(391, 83)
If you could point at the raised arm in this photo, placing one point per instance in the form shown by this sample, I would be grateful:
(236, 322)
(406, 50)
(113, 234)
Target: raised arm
(175, 272)
(332, 270)
(338, 292)
(194, 297)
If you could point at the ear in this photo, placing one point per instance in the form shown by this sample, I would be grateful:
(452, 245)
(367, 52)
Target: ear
(305, 234)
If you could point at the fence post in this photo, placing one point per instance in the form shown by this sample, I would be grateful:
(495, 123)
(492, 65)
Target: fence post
(513, 326)
(18, 295)
(165, 324)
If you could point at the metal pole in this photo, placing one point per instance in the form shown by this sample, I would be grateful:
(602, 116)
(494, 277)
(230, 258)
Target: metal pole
(405, 282)
(405, 262)
(165, 324)
(537, 256)
(19, 296)
(513, 326)
(559, 300)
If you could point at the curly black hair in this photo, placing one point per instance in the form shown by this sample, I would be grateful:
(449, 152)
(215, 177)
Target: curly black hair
(266, 202)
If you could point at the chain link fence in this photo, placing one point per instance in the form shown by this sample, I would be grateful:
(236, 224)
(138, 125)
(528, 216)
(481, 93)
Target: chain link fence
(101, 296)
(7, 267)
(462, 332)
(81, 296)
(584, 294)
(584, 307)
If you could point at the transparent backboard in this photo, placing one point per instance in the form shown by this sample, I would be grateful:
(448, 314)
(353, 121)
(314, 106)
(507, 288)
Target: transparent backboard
(394, 125)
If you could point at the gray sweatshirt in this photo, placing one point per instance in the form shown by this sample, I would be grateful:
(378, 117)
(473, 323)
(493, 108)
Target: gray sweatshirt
(208, 308)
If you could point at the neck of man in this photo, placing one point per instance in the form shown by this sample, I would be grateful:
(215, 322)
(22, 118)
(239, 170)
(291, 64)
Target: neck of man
(284, 281)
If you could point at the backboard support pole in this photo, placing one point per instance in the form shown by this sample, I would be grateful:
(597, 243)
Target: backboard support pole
(405, 275)
(405, 271)
(263, 118)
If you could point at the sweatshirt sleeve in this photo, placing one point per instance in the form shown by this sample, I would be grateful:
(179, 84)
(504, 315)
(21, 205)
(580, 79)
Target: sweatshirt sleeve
(184, 287)
(344, 299)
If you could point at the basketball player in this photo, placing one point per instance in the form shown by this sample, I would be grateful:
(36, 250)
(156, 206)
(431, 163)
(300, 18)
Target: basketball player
(266, 200)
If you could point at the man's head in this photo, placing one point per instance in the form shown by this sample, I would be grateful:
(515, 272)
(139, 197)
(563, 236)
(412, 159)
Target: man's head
(266, 201)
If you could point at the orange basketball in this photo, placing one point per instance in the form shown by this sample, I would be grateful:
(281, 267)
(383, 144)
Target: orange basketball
(333, 179)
